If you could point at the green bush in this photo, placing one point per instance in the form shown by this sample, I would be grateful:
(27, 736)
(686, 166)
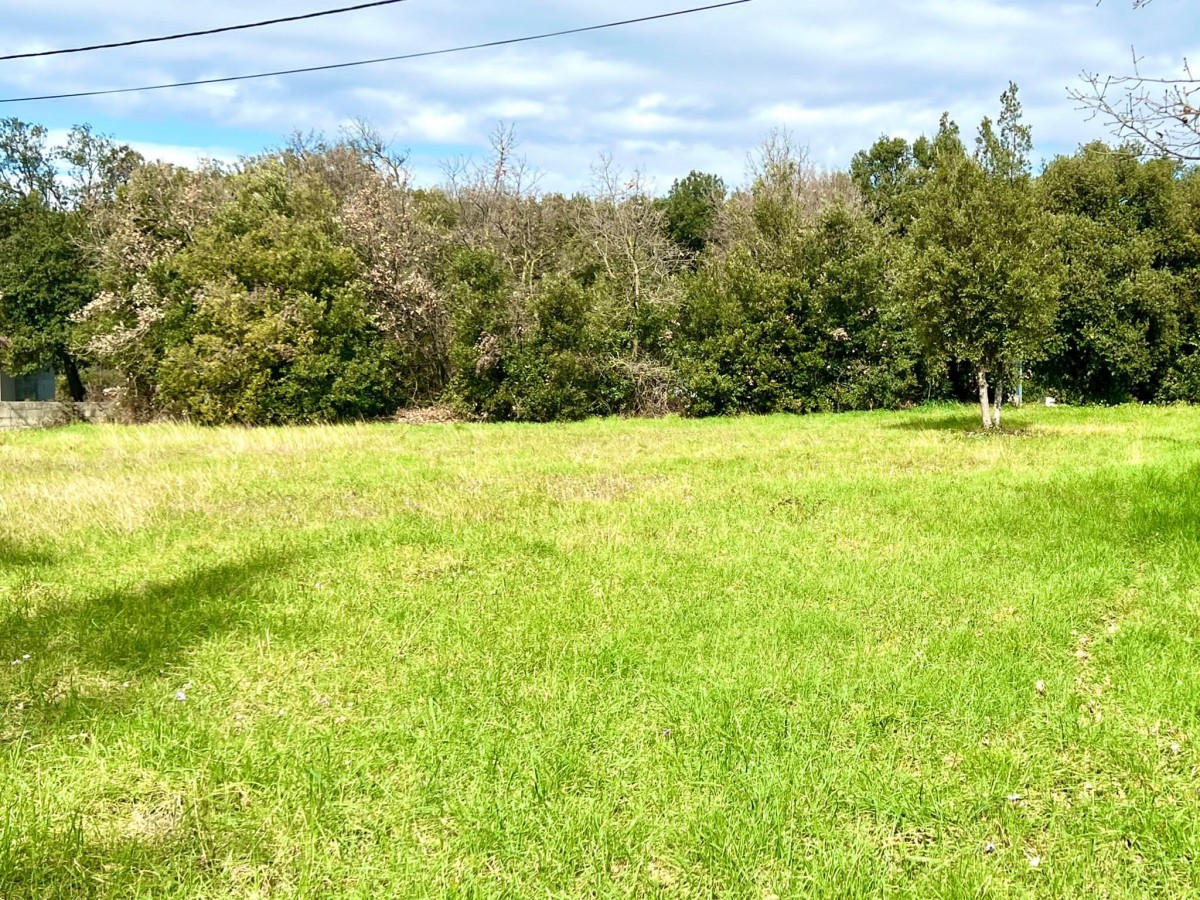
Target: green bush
(817, 332)
(538, 361)
(1182, 382)
(262, 358)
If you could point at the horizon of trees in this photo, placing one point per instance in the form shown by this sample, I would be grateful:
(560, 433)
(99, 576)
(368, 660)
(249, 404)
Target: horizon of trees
(317, 283)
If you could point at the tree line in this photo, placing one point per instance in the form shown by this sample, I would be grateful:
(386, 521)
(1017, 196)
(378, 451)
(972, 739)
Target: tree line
(316, 283)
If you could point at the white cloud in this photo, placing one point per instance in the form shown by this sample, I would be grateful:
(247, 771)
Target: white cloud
(180, 155)
(695, 92)
(513, 108)
(437, 125)
(175, 154)
(894, 118)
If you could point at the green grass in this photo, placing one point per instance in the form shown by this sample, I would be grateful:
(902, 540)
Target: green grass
(779, 657)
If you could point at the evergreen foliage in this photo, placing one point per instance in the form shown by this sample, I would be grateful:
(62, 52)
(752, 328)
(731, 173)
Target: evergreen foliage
(314, 283)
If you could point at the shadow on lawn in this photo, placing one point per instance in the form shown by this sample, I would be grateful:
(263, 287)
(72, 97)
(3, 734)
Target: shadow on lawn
(139, 630)
(1133, 510)
(957, 421)
(1174, 511)
(14, 556)
(964, 423)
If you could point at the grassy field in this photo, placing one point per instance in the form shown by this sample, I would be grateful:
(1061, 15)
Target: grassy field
(862, 655)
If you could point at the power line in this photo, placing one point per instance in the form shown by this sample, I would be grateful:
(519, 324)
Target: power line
(383, 59)
(192, 34)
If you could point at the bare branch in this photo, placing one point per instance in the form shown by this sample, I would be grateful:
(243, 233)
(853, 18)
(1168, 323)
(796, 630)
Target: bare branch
(500, 208)
(1163, 113)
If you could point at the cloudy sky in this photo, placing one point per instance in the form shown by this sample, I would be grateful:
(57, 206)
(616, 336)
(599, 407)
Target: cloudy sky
(696, 92)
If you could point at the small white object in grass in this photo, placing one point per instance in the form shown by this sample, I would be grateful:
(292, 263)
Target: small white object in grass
(1176, 749)
(1041, 687)
(181, 696)
(25, 657)
(989, 848)
(1015, 799)
(1034, 862)
(1050, 401)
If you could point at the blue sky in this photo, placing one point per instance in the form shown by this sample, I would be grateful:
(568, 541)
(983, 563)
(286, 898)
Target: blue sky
(692, 93)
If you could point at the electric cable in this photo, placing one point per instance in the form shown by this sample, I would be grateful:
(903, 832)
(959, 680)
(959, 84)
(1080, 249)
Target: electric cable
(191, 34)
(370, 62)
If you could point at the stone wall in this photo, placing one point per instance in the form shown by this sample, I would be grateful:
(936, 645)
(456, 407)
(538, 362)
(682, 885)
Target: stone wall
(45, 415)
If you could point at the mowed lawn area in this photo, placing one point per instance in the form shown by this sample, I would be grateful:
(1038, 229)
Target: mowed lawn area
(851, 656)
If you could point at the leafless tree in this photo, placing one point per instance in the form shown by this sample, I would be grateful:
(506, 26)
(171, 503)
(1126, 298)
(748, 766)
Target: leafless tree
(500, 208)
(1161, 112)
(626, 233)
(623, 232)
(391, 164)
(785, 194)
(400, 250)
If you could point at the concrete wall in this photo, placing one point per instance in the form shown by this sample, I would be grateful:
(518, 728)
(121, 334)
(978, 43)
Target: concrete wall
(45, 415)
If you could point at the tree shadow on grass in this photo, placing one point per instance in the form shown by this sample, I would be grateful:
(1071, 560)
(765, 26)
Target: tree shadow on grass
(82, 648)
(17, 556)
(141, 629)
(963, 423)
(65, 666)
(1133, 511)
(959, 421)
(1171, 511)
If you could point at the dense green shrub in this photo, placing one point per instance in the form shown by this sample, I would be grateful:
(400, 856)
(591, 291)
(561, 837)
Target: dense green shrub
(819, 332)
(259, 315)
(535, 363)
(262, 357)
(1182, 382)
(44, 281)
(314, 284)
(1122, 228)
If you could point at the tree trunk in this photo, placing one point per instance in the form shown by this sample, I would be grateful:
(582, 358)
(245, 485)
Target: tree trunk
(999, 402)
(981, 375)
(74, 381)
